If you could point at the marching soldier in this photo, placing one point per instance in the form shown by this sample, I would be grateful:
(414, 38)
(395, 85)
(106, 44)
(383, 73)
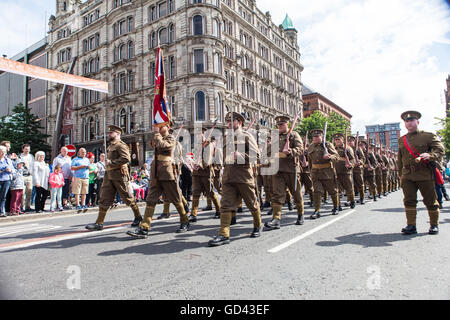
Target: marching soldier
(116, 180)
(267, 179)
(238, 179)
(288, 175)
(162, 181)
(379, 172)
(178, 163)
(369, 168)
(358, 169)
(305, 175)
(217, 167)
(344, 169)
(202, 178)
(322, 171)
(385, 171)
(417, 150)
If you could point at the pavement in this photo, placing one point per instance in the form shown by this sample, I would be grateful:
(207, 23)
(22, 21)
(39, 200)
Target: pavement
(358, 254)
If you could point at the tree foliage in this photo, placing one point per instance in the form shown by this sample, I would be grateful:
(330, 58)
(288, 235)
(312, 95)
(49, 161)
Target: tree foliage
(336, 124)
(23, 127)
(444, 134)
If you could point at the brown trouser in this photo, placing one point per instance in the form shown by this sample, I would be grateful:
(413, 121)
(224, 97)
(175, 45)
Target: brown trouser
(267, 181)
(322, 185)
(370, 183)
(428, 191)
(345, 182)
(171, 192)
(358, 182)
(280, 182)
(108, 193)
(305, 177)
(379, 181)
(385, 181)
(231, 195)
(203, 184)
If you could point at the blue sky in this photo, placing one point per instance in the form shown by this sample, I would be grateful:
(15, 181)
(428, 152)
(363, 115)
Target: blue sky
(374, 58)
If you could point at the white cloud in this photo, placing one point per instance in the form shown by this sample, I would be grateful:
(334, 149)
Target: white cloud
(372, 57)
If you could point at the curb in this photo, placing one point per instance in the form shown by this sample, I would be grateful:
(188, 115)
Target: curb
(36, 216)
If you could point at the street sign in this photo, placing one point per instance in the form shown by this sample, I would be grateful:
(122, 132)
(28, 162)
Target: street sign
(71, 150)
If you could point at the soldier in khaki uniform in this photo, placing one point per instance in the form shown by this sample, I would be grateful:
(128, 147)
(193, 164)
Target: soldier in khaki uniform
(116, 180)
(162, 181)
(344, 170)
(238, 179)
(358, 169)
(385, 171)
(369, 168)
(288, 175)
(416, 171)
(203, 177)
(305, 175)
(178, 162)
(322, 171)
(379, 172)
(217, 167)
(267, 179)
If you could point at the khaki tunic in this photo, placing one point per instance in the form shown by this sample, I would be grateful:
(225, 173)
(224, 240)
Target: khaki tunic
(344, 174)
(358, 171)
(322, 170)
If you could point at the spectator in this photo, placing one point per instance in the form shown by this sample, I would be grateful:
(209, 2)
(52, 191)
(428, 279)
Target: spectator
(57, 182)
(28, 160)
(13, 158)
(144, 173)
(90, 201)
(41, 173)
(65, 162)
(186, 179)
(101, 167)
(17, 187)
(139, 187)
(80, 182)
(6, 170)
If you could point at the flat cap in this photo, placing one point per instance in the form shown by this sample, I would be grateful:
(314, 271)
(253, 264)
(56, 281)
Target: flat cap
(409, 115)
(316, 132)
(112, 128)
(281, 119)
(236, 116)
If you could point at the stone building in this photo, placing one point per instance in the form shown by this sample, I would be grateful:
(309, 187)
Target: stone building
(219, 56)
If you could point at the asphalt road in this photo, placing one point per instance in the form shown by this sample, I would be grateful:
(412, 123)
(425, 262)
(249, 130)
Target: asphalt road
(358, 254)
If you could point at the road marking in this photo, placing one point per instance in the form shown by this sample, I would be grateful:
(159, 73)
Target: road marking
(308, 233)
(26, 228)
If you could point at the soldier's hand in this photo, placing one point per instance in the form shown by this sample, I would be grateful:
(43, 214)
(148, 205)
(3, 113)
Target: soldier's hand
(348, 166)
(155, 129)
(108, 162)
(327, 156)
(425, 156)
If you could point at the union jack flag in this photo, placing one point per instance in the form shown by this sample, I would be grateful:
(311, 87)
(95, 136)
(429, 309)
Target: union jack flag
(161, 112)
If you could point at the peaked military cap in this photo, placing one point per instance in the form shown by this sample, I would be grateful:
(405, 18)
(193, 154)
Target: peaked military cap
(316, 132)
(409, 115)
(112, 128)
(281, 119)
(362, 141)
(236, 116)
(338, 136)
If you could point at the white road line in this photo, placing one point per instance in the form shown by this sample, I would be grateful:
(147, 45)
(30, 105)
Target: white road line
(33, 229)
(308, 233)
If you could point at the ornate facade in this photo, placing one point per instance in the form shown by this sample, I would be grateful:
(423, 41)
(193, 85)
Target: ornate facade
(219, 55)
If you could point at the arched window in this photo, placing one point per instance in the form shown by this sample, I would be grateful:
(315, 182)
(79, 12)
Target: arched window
(123, 119)
(91, 128)
(122, 51)
(216, 28)
(163, 36)
(171, 33)
(219, 107)
(153, 40)
(200, 106)
(197, 23)
(130, 49)
(92, 65)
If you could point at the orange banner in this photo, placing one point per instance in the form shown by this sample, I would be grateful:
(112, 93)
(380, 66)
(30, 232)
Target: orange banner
(23, 69)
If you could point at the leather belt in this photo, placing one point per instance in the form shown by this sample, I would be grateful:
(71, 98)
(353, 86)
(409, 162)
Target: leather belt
(321, 165)
(282, 155)
(342, 159)
(161, 157)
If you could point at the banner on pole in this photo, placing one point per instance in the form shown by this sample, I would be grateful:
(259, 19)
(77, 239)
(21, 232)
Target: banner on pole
(161, 112)
(28, 70)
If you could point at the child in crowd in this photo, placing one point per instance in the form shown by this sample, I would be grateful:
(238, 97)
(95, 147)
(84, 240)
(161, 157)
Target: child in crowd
(139, 187)
(56, 181)
(17, 187)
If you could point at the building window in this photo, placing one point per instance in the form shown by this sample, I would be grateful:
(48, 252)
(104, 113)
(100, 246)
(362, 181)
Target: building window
(123, 120)
(151, 73)
(216, 28)
(130, 49)
(198, 61)
(162, 7)
(152, 13)
(197, 22)
(219, 107)
(217, 64)
(171, 6)
(172, 68)
(171, 33)
(152, 40)
(92, 132)
(163, 36)
(200, 106)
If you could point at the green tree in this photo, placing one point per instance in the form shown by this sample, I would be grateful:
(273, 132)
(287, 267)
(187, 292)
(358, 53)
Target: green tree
(23, 127)
(336, 123)
(444, 133)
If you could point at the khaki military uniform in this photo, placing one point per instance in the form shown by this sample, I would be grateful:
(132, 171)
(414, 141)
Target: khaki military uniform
(370, 172)
(322, 173)
(238, 180)
(385, 171)
(305, 175)
(116, 180)
(217, 168)
(379, 174)
(344, 174)
(418, 176)
(286, 176)
(358, 172)
(163, 178)
(267, 179)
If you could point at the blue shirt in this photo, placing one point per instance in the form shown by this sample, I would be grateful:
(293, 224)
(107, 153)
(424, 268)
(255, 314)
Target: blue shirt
(6, 163)
(81, 173)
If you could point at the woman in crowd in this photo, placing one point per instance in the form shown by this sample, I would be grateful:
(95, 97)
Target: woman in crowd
(41, 173)
(6, 170)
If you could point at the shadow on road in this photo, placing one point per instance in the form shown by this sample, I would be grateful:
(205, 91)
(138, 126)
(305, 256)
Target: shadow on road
(369, 240)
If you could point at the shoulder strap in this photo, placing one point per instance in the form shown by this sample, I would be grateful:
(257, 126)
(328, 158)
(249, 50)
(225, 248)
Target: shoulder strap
(411, 150)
